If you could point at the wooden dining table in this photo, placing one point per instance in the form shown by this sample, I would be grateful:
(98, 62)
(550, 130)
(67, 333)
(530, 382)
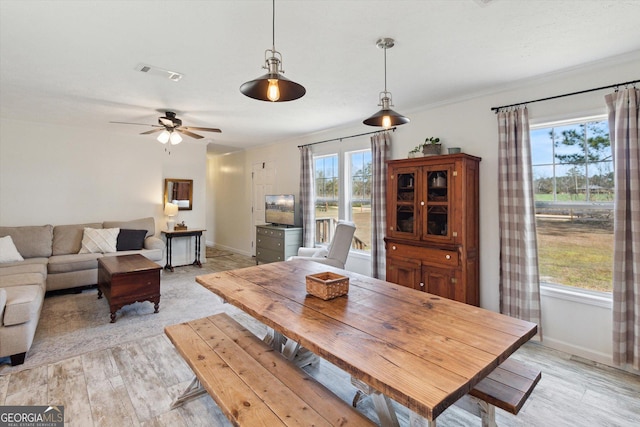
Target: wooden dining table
(421, 350)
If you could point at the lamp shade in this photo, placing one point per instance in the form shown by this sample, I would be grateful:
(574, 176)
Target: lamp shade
(164, 136)
(259, 88)
(171, 209)
(386, 118)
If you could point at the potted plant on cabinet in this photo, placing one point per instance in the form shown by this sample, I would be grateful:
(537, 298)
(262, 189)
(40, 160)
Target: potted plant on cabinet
(431, 146)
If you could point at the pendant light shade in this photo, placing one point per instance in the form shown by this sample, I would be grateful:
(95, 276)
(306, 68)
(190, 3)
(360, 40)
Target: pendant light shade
(273, 86)
(386, 117)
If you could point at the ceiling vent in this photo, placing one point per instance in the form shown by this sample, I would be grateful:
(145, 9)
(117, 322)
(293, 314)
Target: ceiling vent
(149, 69)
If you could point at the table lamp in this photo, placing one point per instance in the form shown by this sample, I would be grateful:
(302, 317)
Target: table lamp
(170, 210)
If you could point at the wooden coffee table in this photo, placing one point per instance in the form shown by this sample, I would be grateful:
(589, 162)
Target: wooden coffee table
(126, 279)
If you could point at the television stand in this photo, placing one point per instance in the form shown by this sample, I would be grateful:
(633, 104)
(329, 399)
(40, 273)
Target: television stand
(277, 242)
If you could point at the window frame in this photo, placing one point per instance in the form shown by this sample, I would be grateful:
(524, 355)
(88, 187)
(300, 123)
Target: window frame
(559, 290)
(344, 178)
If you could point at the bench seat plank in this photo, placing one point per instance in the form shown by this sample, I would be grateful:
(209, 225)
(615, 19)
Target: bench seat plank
(251, 383)
(508, 386)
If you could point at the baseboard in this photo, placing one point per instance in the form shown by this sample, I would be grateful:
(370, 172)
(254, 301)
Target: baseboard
(230, 249)
(579, 351)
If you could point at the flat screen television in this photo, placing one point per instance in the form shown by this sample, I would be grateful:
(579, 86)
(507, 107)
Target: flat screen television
(279, 209)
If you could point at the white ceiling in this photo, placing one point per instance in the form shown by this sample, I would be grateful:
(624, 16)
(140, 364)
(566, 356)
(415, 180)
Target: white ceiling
(73, 62)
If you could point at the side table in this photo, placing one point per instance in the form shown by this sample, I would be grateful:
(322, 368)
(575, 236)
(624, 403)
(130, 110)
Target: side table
(193, 232)
(126, 279)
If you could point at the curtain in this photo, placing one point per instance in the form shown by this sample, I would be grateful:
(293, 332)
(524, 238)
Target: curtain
(519, 280)
(623, 109)
(307, 197)
(380, 143)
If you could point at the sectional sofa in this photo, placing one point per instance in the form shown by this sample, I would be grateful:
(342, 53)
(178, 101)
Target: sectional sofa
(54, 258)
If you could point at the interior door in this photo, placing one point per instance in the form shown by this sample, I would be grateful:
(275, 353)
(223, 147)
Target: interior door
(263, 176)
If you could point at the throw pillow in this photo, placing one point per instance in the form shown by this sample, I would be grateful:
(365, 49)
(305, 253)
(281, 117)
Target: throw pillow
(130, 240)
(99, 240)
(8, 251)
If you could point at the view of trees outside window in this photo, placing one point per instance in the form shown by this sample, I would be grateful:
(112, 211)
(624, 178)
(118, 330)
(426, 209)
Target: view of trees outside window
(360, 197)
(573, 185)
(354, 193)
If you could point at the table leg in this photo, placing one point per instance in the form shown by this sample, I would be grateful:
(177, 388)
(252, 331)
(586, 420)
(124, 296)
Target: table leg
(194, 390)
(384, 410)
(168, 266)
(381, 403)
(197, 260)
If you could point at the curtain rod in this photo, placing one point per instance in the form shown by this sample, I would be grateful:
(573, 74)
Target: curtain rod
(346, 137)
(566, 94)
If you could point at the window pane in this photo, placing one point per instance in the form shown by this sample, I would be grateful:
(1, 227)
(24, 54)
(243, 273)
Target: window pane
(573, 185)
(360, 202)
(327, 193)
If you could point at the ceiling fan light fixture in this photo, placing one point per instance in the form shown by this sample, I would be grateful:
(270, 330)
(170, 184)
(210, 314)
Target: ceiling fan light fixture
(164, 137)
(273, 86)
(175, 138)
(386, 117)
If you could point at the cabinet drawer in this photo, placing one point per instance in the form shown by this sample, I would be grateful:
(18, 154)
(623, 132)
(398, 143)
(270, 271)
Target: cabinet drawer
(269, 232)
(266, 242)
(427, 255)
(269, 255)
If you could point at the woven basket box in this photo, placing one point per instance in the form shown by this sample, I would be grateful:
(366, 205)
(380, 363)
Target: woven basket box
(327, 285)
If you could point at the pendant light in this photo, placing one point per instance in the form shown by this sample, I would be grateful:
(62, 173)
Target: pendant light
(273, 86)
(386, 117)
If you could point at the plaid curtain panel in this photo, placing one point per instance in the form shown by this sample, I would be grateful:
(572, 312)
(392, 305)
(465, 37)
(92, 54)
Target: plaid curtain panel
(307, 198)
(519, 280)
(623, 109)
(380, 144)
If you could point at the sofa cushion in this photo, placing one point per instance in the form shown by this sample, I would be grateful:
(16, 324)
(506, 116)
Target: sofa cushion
(22, 305)
(130, 240)
(71, 263)
(99, 240)
(8, 251)
(31, 241)
(67, 239)
(29, 266)
(148, 224)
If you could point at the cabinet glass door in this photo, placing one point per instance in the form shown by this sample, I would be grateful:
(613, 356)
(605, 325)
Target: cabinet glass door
(404, 193)
(437, 207)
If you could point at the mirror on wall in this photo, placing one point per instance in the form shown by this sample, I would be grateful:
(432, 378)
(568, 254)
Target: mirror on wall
(179, 192)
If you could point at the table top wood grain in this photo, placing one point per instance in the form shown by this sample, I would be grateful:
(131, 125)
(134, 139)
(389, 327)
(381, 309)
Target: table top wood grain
(422, 350)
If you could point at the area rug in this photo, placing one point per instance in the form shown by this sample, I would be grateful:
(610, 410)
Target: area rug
(74, 324)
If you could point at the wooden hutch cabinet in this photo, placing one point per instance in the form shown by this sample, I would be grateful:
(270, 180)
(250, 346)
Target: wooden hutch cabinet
(432, 225)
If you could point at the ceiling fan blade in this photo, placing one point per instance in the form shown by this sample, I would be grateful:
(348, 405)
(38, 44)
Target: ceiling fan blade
(201, 129)
(137, 124)
(191, 134)
(151, 131)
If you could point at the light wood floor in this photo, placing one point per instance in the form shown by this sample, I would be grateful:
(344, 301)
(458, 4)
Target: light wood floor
(133, 384)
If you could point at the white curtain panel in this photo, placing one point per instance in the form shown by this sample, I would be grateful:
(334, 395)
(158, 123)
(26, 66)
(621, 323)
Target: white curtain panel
(307, 197)
(623, 106)
(519, 277)
(380, 146)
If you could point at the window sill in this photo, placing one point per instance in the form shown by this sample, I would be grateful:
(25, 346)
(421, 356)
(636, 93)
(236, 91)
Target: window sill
(582, 296)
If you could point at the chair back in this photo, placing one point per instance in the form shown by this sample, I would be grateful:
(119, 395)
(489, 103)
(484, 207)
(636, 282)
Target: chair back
(341, 242)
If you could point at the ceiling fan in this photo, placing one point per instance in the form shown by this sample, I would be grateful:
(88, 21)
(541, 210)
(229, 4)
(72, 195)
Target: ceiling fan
(170, 126)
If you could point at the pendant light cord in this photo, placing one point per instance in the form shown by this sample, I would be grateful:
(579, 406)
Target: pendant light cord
(385, 69)
(273, 24)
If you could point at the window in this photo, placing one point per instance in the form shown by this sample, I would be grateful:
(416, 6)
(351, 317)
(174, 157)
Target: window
(343, 191)
(359, 191)
(573, 186)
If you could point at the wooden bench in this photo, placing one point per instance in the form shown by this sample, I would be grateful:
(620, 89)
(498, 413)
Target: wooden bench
(252, 384)
(506, 387)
